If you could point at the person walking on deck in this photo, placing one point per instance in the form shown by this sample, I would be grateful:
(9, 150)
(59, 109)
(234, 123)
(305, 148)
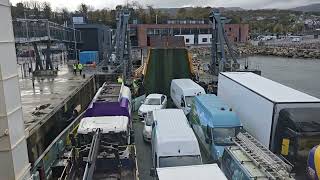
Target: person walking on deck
(75, 69)
(80, 67)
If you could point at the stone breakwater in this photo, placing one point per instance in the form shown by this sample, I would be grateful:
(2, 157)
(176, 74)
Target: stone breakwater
(303, 51)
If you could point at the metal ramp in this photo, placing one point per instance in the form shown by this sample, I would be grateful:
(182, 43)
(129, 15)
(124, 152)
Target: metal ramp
(272, 165)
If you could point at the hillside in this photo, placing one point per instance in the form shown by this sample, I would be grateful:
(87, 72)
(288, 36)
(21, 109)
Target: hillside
(308, 8)
(173, 11)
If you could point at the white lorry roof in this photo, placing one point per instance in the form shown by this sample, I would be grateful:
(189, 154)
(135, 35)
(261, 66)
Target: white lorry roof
(156, 96)
(105, 123)
(173, 131)
(187, 85)
(195, 172)
(269, 89)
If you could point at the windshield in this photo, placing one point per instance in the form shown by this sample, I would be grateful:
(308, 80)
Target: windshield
(189, 100)
(173, 161)
(223, 135)
(117, 138)
(152, 101)
(113, 138)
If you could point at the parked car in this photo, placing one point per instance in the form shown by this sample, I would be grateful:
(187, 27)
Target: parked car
(152, 102)
(147, 129)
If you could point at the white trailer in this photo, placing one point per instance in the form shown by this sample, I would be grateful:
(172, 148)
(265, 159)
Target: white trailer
(195, 172)
(258, 101)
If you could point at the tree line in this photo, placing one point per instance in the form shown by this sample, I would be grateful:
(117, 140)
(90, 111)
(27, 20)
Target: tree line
(275, 21)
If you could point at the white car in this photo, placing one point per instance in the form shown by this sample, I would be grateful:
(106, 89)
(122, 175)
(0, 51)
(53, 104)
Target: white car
(147, 129)
(152, 102)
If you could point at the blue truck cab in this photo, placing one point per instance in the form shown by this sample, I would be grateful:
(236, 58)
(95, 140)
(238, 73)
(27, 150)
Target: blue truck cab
(214, 124)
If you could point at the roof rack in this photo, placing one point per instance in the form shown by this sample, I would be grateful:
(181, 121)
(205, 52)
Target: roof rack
(271, 164)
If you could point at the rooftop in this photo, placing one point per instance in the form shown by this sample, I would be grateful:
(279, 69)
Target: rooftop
(106, 123)
(215, 112)
(172, 125)
(269, 89)
(186, 84)
(196, 172)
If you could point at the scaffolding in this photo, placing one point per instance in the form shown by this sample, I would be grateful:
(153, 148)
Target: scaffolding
(42, 30)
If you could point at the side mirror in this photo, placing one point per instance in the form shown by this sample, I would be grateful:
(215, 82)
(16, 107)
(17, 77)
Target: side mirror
(153, 172)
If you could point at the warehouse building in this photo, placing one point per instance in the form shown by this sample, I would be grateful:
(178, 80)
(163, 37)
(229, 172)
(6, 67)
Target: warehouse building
(195, 32)
(95, 37)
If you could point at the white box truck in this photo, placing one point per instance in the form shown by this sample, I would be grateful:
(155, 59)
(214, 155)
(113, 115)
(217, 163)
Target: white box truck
(285, 120)
(173, 140)
(182, 92)
(195, 172)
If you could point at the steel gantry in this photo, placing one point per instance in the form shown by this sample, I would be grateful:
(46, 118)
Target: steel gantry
(220, 43)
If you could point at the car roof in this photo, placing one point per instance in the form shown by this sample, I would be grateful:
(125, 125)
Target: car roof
(195, 172)
(186, 83)
(173, 131)
(214, 112)
(155, 95)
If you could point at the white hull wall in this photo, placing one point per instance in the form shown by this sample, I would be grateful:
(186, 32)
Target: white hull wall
(254, 111)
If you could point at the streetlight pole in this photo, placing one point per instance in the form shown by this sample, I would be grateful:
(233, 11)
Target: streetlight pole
(28, 39)
(75, 41)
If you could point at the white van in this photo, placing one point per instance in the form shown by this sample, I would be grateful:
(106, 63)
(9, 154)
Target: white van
(182, 92)
(195, 172)
(173, 141)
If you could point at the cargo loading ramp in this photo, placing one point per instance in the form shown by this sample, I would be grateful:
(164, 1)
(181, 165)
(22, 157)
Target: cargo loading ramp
(163, 65)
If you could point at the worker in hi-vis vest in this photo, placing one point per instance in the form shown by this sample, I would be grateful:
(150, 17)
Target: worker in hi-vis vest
(313, 168)
(120, 81)
(80, 67)
(75, 69)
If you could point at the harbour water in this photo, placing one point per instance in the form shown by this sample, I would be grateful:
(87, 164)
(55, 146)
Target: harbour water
(300, 74)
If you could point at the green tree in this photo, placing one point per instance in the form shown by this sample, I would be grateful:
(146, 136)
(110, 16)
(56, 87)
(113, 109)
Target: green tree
(83, 9)
(182, 12)
(47, 11)
(18, 10)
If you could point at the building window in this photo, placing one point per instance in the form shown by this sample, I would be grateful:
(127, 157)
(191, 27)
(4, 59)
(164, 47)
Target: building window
(187, 40)
(204, 40)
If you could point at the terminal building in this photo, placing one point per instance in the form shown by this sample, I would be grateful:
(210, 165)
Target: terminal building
(195, 32)
(95, 37)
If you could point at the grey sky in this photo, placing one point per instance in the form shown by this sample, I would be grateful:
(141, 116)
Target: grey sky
(248, 4)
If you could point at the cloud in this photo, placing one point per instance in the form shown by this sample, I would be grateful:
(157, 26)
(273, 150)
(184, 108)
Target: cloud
(248, 4)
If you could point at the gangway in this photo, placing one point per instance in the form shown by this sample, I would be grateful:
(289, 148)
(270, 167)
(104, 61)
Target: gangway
(273, 166)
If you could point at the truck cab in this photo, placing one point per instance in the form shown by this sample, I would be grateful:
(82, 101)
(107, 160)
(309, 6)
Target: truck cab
(214, 124)
(297, 132)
